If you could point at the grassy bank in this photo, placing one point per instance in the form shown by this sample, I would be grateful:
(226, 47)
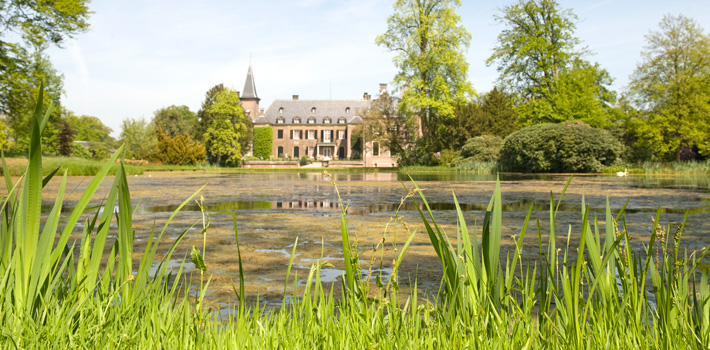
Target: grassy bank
(681, 168)
(598, 294)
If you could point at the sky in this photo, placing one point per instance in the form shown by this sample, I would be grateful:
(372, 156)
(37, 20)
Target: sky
(142, 55)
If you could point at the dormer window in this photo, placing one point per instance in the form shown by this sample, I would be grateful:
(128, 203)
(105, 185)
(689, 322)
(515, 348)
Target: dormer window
(311, 120)
(347, 110)
(313, 110)
(281, 109)
(280, 120)
(326, 120)
(296, 120)
(341, 120)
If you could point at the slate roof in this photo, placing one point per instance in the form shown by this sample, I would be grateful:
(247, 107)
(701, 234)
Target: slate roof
(334, 109)
(249, 91)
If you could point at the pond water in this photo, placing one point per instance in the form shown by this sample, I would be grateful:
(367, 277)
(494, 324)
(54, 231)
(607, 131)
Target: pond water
(273, 209)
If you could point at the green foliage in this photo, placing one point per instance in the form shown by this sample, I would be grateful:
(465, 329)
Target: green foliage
(303, 161)
(485, 148)
(263, 141)
(65, 137)
(418, 154)
(176, 120)
(558, 148)
(89, 128)
(492, 114)
(446, 157)
(139, 138)
(178, 150)
(78, 150)
(537, 43)
(228, 128)
(204, 116)
(383, 122)
(430, 44)
(671, 88)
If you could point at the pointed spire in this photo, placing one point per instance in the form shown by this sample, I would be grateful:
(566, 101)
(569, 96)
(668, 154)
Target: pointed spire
(249, 91)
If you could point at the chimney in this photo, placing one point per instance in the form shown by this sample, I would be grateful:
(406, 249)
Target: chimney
(261, 112)
(383, 88)
(366, 96)
(295, 97)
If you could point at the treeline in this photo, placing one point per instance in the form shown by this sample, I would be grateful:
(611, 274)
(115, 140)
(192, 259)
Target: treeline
(545, 77)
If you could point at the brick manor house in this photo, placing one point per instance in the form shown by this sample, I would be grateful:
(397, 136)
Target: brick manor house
(318, 129)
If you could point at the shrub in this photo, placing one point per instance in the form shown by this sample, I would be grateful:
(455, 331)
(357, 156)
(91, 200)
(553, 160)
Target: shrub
(78, 150)
(263, 141)
(446, 157)
(303, 161)
(563, 147)
(485, 148)
(179, 150)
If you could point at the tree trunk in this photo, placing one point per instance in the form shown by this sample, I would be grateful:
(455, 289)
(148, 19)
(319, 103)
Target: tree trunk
(219, 158)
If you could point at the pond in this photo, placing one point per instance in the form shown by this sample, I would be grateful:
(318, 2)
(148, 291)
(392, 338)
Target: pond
(273, 209)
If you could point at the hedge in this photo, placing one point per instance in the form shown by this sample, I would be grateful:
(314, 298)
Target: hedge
(263, 141)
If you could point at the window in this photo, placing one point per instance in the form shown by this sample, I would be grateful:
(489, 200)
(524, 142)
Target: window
(326, 135)
(341, 153)
(311, 134)
(326, 120)
(311, 151)
(311, 120)
(341, 134)
(296, 134)
(280, 120)
(341, 120)
(375, 149)
(280, 152)
(280, 134)
(296, 120)
(296, 153)
(313, 110)
(347, 110)
(281, 109)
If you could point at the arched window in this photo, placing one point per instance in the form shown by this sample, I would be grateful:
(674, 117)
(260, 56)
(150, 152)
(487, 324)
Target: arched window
(313, 110)
(296, 152)
(347, 109)
(341, 153)
(297, 120)
(341, 120)
(326, 120)
(280, 152)
(280, 120)
(311, 120)
(281, 109)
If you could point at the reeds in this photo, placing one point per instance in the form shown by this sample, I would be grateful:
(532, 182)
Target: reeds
(600, 293)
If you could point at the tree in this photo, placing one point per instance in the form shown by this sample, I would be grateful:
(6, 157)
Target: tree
(139, 138)
(383, 123)
(89, 128)
(671, 88)
(37, 23)
(178, 150)
(176, 120)
(227, 129)
(65, 137)
(537, 44)
(204, 117)
(429, 41)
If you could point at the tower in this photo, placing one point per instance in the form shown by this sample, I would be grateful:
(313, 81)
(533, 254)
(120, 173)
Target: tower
(249, 98)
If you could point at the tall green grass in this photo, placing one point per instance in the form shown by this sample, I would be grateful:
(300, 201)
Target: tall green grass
(97, 293)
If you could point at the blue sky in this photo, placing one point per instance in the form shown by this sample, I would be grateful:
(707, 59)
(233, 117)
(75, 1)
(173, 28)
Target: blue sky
(142, 55)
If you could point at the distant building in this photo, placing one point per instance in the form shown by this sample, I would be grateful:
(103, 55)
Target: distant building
(318, 129)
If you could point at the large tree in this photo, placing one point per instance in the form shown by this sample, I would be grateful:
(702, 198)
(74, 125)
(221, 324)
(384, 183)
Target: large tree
(27, 28)
(176, 120)
(89, 128)
(139, 137)
(385, 124)
(539, 59)
(671, 88)
(227, 129)
(430, 42)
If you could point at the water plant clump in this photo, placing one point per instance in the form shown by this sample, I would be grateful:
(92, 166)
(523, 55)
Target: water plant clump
(600, 293)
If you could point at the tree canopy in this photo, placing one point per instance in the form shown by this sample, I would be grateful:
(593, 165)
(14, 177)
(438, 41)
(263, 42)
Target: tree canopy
(383, 123)
(139, 138)
(89, 128)
(430, 43)
(671, 88)
(176, 120)
(228, 127)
